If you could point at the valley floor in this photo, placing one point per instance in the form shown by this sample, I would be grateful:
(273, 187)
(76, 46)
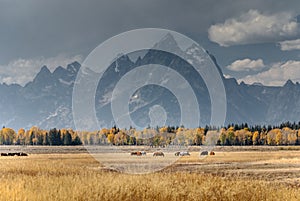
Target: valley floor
(71, 173)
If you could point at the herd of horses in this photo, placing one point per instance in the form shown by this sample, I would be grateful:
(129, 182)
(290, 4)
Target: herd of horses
(14, 154)
(134, 153)
(160, 153)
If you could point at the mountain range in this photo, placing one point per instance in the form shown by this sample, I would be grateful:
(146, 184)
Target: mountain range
(46, 101)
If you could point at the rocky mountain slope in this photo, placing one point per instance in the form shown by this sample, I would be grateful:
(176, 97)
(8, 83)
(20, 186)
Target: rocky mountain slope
(47, 100)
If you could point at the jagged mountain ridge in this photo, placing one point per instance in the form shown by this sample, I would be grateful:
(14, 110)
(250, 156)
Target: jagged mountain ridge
(47, 100)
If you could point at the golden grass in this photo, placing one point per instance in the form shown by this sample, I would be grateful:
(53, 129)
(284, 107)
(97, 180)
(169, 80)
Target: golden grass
(272, 166)
(77, 177)
(244, 156)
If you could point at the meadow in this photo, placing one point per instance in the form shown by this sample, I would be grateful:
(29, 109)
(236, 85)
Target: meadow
(70, 173)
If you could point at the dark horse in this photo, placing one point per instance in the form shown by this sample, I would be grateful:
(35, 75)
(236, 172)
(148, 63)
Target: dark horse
(159, 153)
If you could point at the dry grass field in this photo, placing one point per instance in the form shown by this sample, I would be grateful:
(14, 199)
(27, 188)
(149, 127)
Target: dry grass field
(234, 173)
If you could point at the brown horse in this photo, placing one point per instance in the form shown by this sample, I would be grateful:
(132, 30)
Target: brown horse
(159, 153)
(136, 153)
(212, 153)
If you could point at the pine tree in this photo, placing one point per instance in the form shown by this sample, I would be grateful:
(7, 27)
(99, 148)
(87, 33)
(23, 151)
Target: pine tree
(67, 139)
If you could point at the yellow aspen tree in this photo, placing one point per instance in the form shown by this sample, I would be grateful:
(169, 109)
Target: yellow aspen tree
(255, 138)
(110, 138)
(271, 137)
(163, 129)
(21, 136)
(292, 138)
(263, 138)
(278, 138)
(285, 133)
(9, 136)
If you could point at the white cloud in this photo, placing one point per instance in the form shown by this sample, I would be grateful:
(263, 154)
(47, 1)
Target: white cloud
(290, 45)
(21, 71)
(255, 27)
(277, 75)
(247, 65)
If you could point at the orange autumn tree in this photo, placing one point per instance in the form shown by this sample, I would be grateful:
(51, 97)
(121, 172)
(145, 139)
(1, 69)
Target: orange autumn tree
(21, 137)
(255, 138)
(7, 136)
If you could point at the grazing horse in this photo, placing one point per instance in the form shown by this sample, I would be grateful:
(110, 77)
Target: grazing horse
(184, 153)
(159, 153)
(23, 154)
(136, 153)
(204, 153)
(177, 153)
(212, 153)
(4, 154)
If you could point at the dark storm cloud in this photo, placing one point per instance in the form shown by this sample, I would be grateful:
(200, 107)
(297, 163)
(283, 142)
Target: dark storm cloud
(47, 28)
(38, 30)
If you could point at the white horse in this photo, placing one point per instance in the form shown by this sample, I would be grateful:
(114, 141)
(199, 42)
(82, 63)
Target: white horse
(184, 153)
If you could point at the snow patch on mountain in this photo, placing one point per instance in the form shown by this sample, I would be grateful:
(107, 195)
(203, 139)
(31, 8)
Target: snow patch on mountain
(66, 82)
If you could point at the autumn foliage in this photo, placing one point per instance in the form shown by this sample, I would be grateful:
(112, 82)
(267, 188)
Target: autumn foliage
(238, 135)
(36, 136)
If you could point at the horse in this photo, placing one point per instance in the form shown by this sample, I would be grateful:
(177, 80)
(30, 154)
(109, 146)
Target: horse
(204, 153)
(212, 153)
(159, 153)
(177, 153)
(4, 154)
(143, 153)
(184, 153)
(136, 153)
(23, 154)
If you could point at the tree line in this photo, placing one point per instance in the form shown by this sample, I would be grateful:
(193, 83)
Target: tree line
(234, 134)
(37, 136)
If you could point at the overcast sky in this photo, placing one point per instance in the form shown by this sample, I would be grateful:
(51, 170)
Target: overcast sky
(253, 41)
